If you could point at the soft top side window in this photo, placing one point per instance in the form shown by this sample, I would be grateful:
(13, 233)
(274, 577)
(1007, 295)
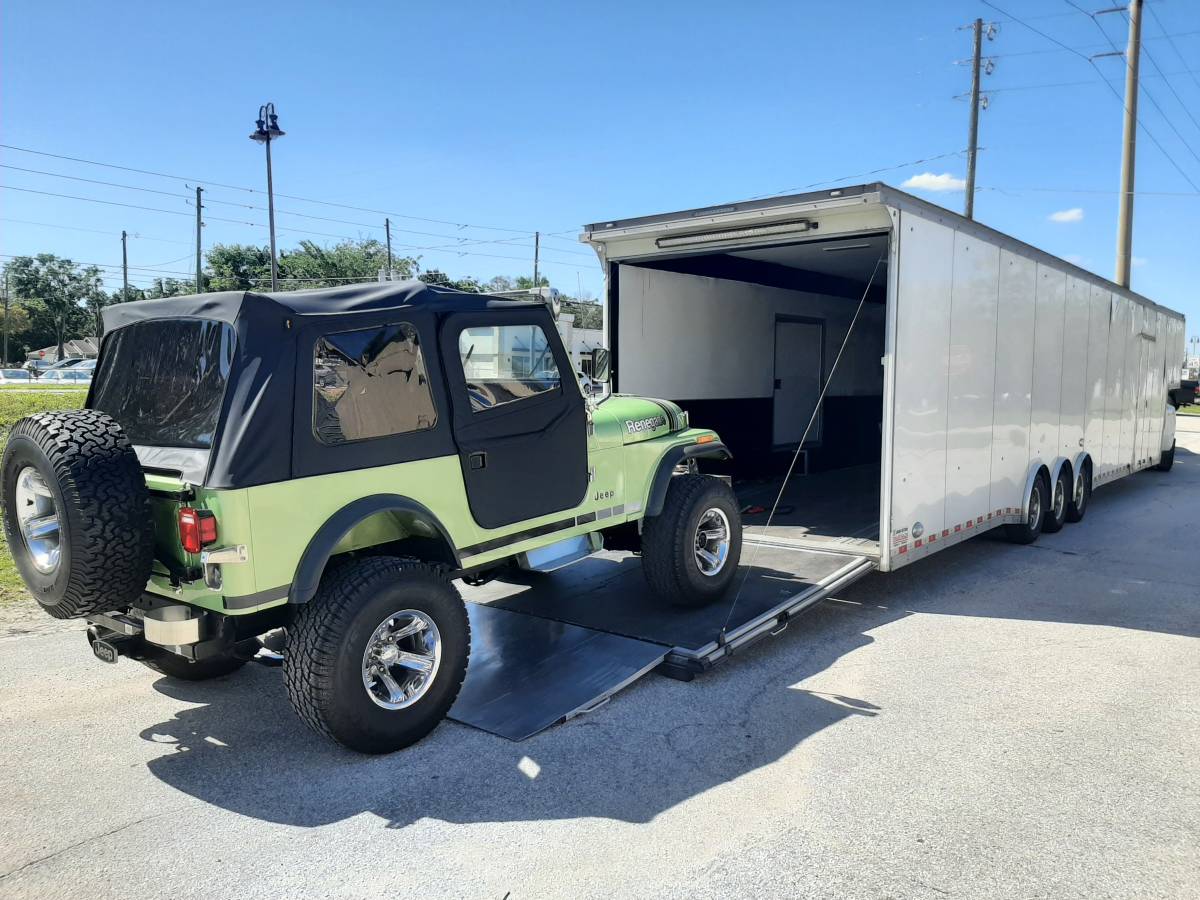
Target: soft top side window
(506, 364)
(369, 383)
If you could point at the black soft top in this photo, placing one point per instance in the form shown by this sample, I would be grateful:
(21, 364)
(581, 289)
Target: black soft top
(228, 306)
(272, 359)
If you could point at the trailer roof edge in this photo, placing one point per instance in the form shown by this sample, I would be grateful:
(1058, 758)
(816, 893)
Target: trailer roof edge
(888, 196)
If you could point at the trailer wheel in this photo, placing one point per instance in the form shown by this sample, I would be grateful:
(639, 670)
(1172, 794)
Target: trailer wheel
(1082, 495)
(1060, 500)
(690, 551)
(376, 659)
(1166, 460)
(1028, 531)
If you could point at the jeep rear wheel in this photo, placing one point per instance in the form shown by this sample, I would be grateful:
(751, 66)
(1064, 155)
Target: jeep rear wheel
(376, 659)
(690, 551)
(76, 512)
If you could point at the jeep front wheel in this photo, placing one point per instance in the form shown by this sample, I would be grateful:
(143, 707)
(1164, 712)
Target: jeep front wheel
(376, 659)
(690, 551)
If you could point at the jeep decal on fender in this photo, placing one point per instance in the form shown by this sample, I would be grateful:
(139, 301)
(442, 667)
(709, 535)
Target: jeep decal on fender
(637, 426)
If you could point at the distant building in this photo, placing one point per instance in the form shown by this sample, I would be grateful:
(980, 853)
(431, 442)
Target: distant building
(85, 347)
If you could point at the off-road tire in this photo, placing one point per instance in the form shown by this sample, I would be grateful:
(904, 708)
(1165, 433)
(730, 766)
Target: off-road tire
(1166, 460)
(173, 665)
(322, 666)
(1026, 532)
(668, 541)
(1053, 521)
(1077, 507)
(106, 536)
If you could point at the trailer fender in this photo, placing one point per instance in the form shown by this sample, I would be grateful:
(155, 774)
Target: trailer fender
(1036, 468)
(416, 517)
(666, 468)
(1059, 464)
(1082, 459)
(1168, 433)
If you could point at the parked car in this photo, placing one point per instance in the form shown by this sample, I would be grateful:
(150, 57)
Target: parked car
(66, 377)
(15, 376)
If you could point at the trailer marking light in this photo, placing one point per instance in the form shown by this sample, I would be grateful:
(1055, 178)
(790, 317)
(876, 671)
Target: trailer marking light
(945, 532)
(711, 237)
(903, 549)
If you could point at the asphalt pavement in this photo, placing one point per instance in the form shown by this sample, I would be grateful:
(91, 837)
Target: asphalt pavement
(996, 721)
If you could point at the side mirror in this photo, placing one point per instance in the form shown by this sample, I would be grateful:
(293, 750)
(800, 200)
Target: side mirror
(600, 365)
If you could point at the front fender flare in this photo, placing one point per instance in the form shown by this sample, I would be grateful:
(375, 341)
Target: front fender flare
(666, 468)
(320, 548)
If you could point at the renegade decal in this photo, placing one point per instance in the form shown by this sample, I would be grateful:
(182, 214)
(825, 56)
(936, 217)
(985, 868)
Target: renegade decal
(637, 426)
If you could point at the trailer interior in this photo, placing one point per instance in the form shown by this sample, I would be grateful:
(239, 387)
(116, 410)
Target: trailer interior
(753, 336)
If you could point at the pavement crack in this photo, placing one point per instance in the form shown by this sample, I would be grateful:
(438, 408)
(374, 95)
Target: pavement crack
(88, 840)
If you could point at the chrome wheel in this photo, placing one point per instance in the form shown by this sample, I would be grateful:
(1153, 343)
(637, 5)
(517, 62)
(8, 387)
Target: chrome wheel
(401, 660)
(1080, 492)
(1035, 509)
(38, 518)
(712, 542)
(1060, 499)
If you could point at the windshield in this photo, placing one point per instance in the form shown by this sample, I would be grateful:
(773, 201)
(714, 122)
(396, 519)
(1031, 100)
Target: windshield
(163, 380)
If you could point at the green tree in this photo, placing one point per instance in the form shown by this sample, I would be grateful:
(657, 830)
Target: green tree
(169, 287)
(61, 296)
(441, 279)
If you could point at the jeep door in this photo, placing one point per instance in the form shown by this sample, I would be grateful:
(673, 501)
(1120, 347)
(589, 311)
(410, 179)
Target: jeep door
(519, 417)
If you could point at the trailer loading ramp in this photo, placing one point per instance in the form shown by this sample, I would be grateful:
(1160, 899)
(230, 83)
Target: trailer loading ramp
(547, 647)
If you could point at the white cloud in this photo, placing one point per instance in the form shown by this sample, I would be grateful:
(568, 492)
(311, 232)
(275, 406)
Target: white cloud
(1139, 261)
(927, 181)
(1074, 214)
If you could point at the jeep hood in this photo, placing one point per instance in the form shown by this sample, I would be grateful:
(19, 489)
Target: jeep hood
(642, 418)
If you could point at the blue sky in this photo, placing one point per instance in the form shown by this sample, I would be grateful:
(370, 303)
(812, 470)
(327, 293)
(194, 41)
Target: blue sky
(529, 116)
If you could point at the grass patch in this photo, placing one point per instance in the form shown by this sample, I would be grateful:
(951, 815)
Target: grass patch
(14, 406)
(1188, 411)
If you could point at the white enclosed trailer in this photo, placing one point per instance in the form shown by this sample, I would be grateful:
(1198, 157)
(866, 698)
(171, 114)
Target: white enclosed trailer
(984, 383)
(979, 375)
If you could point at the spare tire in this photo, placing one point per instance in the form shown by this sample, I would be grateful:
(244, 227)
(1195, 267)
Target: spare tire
(76, 512)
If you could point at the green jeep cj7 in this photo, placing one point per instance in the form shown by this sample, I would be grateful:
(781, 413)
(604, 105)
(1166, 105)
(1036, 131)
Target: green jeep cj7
(305, 473)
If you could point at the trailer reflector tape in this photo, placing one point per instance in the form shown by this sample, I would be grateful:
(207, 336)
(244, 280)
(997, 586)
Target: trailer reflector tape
(945, 532)
(918, 542)
(903, 549)
(957, 529)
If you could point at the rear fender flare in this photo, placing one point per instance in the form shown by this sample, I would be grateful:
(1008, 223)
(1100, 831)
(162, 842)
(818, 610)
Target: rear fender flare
(666, 468)
(336, 527)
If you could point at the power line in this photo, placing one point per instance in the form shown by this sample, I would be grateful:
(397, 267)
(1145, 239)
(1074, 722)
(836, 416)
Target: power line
(1092, 63)
(1145, 87)
(140, 237)
(1171, 40)
(905, 165)
(234, 187)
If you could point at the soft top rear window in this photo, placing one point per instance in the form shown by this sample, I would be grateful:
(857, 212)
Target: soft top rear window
(163, 380)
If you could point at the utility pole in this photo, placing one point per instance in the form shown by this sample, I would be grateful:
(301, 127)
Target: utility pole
(199, 225)
(1125, 216)
(124, 269)
(973, 139)
(6, 318)
(387, 227)
(537, 244)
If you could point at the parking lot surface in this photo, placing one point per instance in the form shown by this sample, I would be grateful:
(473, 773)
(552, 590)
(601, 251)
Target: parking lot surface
(997, 721)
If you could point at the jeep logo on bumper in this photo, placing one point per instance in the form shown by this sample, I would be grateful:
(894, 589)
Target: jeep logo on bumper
(636, 426)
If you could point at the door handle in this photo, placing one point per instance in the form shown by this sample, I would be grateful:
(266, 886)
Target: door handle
(778, 384)
(477, 460)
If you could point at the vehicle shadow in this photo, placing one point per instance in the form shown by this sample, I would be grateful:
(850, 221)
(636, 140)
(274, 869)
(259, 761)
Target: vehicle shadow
(238, 745)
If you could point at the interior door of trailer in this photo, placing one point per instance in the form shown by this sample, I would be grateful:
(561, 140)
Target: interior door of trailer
(799, 362)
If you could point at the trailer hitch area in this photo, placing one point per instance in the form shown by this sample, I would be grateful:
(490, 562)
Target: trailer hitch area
(109, 646)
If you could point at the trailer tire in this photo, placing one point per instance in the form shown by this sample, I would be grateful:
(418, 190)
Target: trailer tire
(1081, 498)
(1027, 532)
(691, 550)
(76, 512)
(1166, 460)
(172, 665)
(347, 675)
(1060, 499)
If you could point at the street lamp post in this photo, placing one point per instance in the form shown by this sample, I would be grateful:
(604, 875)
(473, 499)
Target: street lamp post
(267, 128)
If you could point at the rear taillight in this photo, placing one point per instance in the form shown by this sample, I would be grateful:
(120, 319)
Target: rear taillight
(197, 529)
